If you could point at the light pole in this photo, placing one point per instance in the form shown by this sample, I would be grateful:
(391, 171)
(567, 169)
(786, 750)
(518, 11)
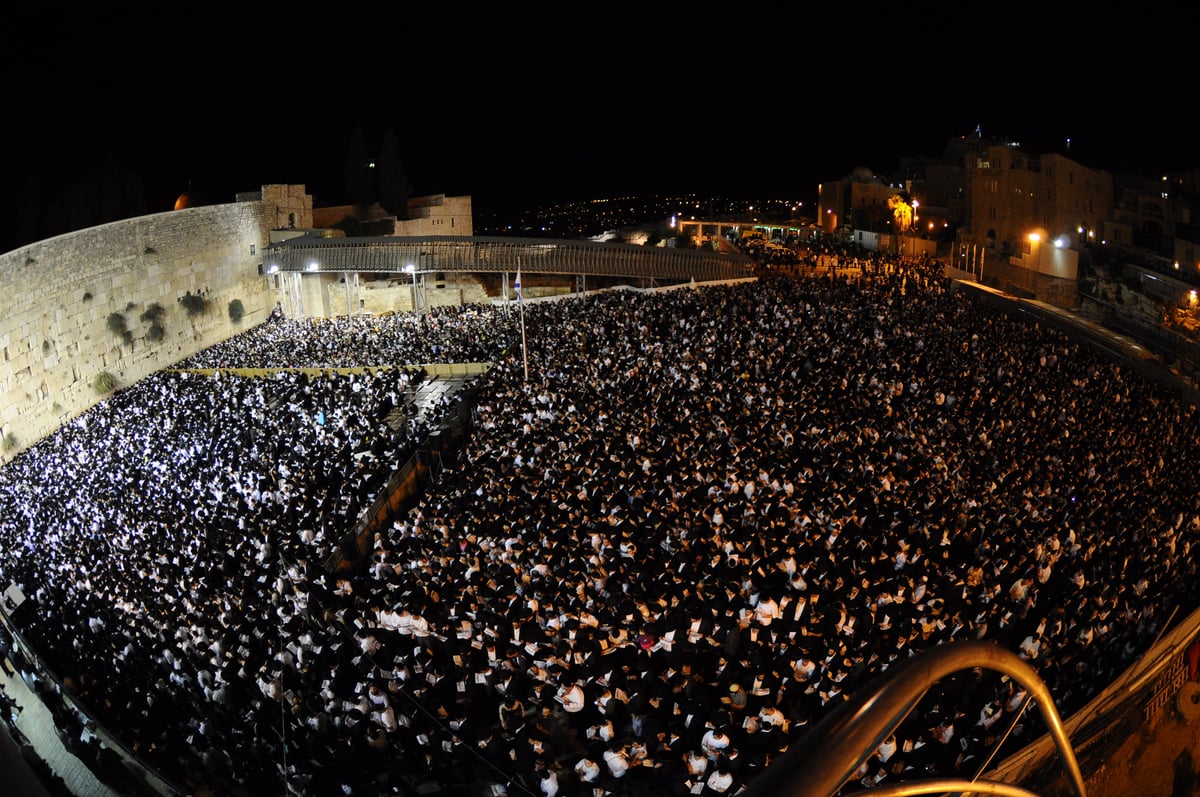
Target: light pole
(412, 270)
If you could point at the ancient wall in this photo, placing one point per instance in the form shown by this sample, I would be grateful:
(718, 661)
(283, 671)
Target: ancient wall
(65, 300)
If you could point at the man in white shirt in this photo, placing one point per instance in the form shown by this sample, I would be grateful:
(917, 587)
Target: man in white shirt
(587, 770)
(616, 761)
(547, 782)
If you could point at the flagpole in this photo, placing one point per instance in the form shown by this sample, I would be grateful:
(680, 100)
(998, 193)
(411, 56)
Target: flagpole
(521, 304)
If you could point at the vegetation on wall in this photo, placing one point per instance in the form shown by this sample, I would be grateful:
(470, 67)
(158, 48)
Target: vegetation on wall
(10, 441)
(193, 303)
(236, 310)
(116, 324)
(104, 383)
(153, 315)
(153, 312)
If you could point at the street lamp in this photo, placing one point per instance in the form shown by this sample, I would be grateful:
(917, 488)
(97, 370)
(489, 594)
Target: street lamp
(412, 270)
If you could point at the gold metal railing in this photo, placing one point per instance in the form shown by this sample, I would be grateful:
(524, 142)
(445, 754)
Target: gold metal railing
(824, 760)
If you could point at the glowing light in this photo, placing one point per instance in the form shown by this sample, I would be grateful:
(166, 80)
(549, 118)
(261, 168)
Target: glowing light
(312, 266)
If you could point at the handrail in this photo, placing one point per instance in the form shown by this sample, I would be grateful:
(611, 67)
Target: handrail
(149, 776)
(832, 751)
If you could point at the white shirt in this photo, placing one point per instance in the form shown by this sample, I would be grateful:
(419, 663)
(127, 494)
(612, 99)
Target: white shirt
(572, 698)
(617, 764)
(719, 781)
(587, 770)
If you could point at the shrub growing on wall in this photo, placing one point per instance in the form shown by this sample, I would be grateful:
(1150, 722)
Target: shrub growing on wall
(194, 303)
(153, 312)
(10, 441)
(104, 383)
(116, 324)
(153, 315)
(236, 310)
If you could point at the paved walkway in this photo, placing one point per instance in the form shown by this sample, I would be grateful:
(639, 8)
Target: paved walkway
(37, 724)
(18, 774)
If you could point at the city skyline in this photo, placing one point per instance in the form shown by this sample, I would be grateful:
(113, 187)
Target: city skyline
(520, 108)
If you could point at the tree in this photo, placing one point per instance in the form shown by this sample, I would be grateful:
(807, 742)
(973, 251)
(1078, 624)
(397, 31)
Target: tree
(902, 213)
(394, 188)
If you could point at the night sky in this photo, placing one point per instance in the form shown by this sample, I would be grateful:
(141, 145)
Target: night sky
(530, 104)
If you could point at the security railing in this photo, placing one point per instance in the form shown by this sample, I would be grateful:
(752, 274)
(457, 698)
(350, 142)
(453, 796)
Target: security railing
(139, 777)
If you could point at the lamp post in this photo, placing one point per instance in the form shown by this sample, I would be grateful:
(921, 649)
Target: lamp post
(412, 270)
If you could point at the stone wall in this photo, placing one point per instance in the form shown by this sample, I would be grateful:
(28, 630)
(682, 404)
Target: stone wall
(57, 296)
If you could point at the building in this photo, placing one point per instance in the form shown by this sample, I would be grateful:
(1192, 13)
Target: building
(858, 201)
(1033, 212)
(436, 214)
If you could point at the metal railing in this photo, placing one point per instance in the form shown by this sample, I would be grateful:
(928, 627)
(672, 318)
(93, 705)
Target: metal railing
(826, 758)
(143, 777)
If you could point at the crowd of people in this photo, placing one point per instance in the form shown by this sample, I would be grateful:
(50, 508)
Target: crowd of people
(705, 519)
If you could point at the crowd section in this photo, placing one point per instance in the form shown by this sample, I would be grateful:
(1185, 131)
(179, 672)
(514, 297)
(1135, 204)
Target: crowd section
(707, 517)
(469, 334)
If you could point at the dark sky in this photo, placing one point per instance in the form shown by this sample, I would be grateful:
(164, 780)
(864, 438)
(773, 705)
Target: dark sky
(567, 101)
